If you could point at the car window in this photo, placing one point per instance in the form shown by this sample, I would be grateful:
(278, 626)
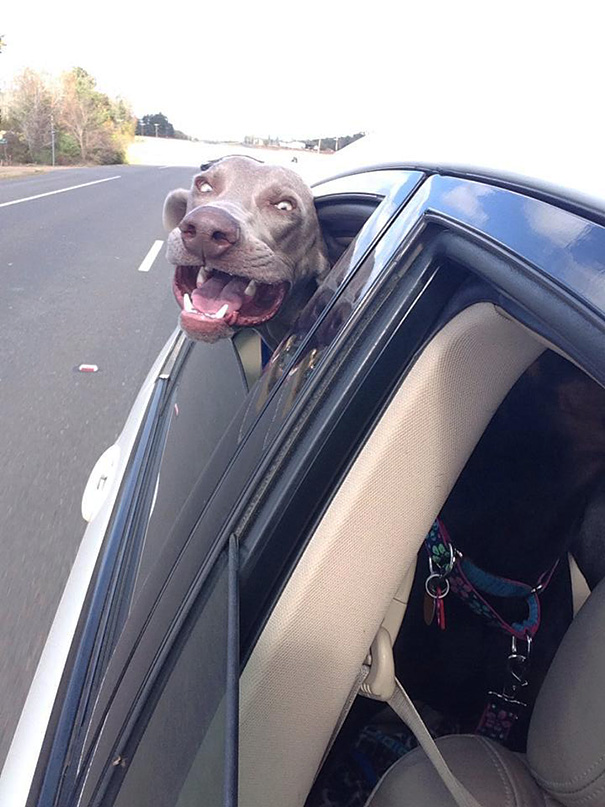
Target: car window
(181, 750)
(209, 389)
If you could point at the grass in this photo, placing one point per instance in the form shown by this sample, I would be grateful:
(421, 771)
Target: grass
(16, 171)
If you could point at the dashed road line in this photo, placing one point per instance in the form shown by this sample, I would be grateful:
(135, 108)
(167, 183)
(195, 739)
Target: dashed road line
(61, 190)
(151, 256)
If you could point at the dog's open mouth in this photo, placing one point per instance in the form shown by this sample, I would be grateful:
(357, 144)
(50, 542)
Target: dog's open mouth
(212, 300)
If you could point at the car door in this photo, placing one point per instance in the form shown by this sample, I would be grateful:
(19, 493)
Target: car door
(161, 587)
(420, 260)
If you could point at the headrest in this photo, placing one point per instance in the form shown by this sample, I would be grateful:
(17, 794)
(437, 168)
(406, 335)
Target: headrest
(566, 743)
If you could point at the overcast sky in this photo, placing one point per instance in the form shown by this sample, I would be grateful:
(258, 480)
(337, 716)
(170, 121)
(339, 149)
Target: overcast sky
(308, 68)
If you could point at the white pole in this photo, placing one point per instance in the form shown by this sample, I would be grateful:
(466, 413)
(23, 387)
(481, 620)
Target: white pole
(52, 137)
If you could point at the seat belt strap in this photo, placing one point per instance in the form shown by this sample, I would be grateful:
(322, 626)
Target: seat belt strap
(401, 703)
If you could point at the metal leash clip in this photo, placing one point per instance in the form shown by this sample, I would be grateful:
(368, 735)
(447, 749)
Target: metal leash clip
(517, 667)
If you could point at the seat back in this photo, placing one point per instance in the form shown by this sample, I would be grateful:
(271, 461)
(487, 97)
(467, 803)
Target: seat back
(566, 743)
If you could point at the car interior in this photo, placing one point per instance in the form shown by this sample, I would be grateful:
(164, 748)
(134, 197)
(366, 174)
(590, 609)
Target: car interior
(341, 221)
(349, 592)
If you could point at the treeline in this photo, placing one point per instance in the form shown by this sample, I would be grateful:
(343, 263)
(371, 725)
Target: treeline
(333, 143)
(319, 144)
(63, 121)
(158, 125)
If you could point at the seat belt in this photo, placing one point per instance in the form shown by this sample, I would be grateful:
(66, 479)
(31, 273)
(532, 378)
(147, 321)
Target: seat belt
(401, 703)
(377, 680)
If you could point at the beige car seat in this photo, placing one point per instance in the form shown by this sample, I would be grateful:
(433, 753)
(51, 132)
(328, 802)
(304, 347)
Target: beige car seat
(565, 762)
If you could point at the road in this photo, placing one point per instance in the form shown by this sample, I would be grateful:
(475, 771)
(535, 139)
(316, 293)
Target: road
(71, 244)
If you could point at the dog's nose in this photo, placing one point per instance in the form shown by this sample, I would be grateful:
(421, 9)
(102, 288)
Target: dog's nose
(209, 231)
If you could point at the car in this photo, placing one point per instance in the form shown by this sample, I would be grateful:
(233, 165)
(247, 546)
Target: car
(255, 522)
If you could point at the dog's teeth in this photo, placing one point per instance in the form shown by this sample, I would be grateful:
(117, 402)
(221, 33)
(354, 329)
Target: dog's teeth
(250, 289)
(222, 311)
(202, 276)
(187, 304)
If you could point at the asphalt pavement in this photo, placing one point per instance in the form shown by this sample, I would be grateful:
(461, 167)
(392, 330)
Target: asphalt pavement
(71, 292)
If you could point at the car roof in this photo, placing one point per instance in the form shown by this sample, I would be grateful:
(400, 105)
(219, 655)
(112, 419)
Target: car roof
(529, 166)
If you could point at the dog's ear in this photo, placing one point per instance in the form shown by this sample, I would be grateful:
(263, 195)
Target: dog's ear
(175, 208)
(324, 263)
(319, 260)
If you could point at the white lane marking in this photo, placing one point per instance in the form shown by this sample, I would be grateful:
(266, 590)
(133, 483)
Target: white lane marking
(61, 190)
(151, 256)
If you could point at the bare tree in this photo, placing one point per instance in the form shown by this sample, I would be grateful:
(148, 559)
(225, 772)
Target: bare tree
(30, 106)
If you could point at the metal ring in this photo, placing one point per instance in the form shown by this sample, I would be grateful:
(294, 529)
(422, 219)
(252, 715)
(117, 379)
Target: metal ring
(446, 588)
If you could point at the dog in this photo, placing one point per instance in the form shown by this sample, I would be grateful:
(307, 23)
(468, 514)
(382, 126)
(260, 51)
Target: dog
(247, 246)
(531, 492)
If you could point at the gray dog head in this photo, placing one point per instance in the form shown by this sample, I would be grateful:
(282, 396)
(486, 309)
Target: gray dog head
(246, 243)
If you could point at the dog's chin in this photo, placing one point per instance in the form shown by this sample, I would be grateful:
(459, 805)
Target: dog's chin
(214, 304)
(204, 330)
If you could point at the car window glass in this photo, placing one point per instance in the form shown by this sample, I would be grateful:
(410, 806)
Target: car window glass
(209, 390)
(180, 758)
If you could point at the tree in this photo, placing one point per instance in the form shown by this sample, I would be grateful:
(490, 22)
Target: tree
(89, 126)
(30, 108)
(83, 111)
(155, 125)
(101, 127)
(333, 143)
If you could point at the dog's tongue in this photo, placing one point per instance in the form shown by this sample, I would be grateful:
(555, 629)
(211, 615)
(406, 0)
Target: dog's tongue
(218, 291)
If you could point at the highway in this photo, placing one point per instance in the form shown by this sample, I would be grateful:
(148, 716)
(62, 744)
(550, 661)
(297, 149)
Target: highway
(81, 282)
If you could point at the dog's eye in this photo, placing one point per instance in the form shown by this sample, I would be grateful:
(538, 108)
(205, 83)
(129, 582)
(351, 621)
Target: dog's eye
(204, 187)
(285, 204)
